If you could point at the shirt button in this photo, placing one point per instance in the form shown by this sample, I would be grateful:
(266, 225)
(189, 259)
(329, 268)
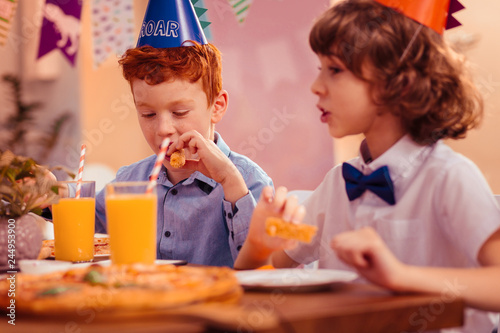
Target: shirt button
(173, 191)
(229, 215)
(167, 233)
(238, 248)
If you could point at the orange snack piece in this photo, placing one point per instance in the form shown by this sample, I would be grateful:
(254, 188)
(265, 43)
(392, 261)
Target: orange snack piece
(281, 228)
(178, 159)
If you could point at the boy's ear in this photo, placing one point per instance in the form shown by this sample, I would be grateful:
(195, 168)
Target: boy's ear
(219, 106)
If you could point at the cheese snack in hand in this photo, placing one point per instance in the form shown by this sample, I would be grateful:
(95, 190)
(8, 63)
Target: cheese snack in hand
(280, 228)
(178, 158)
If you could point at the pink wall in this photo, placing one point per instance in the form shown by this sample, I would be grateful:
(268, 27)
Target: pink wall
(268, 68)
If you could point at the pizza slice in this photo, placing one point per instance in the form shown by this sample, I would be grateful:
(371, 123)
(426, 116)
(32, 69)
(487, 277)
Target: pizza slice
(101, 247)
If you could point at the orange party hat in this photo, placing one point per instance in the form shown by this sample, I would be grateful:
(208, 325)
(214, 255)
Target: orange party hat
(435, 14)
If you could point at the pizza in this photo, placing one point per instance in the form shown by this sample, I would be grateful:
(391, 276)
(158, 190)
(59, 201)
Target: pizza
(119, 288)
(101, 247)
(288, 230)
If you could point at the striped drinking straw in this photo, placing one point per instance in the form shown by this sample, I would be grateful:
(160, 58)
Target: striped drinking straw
(80, 172)
(158, 163)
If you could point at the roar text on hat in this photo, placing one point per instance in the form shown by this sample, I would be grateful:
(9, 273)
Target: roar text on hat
(159, 28)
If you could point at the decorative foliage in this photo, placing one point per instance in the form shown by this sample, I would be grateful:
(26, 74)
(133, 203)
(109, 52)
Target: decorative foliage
(24, 186)
(18, 124)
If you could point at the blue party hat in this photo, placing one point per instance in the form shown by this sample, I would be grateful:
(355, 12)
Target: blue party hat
(170, 23)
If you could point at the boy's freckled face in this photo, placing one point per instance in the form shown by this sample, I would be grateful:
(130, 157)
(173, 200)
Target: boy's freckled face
(344, 100)
(170, 109)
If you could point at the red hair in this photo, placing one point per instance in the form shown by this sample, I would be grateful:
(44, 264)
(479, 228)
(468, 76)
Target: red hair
(191, 63)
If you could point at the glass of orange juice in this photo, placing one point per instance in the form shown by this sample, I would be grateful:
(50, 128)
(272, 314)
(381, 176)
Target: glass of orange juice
(131, 219)
(74, 222)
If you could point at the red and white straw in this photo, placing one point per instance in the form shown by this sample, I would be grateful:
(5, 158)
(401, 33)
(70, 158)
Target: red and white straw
(158, 164)
(80, 172)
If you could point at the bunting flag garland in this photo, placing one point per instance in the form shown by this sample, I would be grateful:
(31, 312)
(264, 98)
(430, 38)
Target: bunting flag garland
(7, 12)
(201, 12)
(112, 28)
(240, 9)
(61, 28)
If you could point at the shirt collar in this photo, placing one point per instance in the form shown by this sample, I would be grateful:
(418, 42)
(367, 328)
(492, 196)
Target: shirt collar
(403, 157)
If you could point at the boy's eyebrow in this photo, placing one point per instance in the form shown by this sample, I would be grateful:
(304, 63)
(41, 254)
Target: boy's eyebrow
(173, 103)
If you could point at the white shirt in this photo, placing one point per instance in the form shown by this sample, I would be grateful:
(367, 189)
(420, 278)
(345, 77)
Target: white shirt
(444, 212)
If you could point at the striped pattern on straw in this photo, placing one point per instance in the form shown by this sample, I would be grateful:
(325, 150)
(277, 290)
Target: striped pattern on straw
(80, 172)
(158, 164)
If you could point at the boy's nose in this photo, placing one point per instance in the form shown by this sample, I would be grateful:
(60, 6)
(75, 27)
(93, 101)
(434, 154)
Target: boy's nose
(165, 127)
(317, 87)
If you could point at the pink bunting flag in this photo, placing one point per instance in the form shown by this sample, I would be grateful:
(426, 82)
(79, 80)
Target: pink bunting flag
(112, 28)
(7, 12)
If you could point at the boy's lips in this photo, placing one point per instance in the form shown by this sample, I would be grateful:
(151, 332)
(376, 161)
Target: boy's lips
(167, 158)
(324, 114)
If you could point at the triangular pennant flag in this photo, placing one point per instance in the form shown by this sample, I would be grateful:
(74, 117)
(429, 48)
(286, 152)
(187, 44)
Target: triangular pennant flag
(452, 22)
(7, 12)
(201, 12)
(240, 9)
(112, 28)
(61, 28)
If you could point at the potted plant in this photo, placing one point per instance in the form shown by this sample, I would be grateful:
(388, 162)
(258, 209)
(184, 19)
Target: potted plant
(25, 187)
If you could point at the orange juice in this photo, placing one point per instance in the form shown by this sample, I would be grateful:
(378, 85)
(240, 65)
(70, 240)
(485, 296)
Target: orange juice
(74, 221)
(131, 222)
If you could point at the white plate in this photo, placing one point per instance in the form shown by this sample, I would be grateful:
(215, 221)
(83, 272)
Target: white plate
(295, 280)
(46, 266)
(43, 266)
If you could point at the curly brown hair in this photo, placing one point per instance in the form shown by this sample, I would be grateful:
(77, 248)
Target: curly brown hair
(157, 65)
(427, 85)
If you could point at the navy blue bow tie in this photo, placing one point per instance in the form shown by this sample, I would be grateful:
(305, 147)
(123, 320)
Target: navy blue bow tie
(379, 182)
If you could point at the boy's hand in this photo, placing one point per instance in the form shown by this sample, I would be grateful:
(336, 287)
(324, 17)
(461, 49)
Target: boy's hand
(366, 251)
(212, 162)
(259, 245)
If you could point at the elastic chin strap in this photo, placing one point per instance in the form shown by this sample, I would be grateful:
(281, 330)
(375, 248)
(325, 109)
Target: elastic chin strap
(408, 47)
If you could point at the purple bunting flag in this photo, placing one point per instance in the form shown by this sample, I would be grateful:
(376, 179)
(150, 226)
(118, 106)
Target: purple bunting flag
(61, 28)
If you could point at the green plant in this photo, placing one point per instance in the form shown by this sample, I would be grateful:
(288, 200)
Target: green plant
(24, 185)
(21, 122)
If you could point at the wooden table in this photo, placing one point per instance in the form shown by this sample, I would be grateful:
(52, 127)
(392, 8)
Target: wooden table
(344, 307)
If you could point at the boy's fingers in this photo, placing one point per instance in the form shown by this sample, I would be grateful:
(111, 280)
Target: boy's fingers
(289, 209)
(279, 199)
(267, 194)
(298, 214)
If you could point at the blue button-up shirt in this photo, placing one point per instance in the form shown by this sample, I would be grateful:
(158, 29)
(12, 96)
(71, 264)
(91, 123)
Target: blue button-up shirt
(195, 223)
